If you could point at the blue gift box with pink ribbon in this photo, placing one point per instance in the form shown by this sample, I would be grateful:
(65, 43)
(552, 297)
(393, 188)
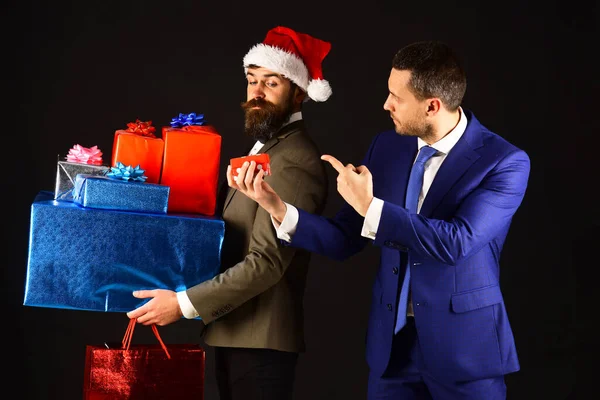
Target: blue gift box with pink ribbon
(92, 259)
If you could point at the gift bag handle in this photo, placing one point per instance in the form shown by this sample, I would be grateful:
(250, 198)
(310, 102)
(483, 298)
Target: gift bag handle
(129, 335)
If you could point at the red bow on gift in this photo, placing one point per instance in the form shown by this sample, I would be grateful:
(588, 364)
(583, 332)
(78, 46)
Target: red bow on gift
(142, 128)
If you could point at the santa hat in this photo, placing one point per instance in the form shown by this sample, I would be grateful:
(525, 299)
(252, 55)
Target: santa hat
(297, 56)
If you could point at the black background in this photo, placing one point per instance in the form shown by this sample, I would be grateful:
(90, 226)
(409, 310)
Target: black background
(77, 71)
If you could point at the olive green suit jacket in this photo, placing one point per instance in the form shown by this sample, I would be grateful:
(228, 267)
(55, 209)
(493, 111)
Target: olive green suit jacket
(257, 299)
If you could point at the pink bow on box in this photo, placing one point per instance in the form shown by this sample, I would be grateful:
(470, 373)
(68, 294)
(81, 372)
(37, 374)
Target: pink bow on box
(85, 155)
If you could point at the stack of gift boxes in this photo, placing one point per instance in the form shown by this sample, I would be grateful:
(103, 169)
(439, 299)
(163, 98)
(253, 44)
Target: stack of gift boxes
(144, 222)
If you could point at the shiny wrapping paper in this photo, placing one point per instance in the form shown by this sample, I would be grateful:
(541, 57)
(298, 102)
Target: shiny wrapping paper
(114, 194)
(141, 371)
(92, 259)
(191, 168)
(133, 149)
(66, 172)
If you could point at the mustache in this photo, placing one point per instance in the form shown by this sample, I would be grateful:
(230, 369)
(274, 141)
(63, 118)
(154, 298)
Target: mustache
(258, 103)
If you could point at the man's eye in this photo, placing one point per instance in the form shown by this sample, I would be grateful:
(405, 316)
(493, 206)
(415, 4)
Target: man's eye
(272, 84)
(252, 83)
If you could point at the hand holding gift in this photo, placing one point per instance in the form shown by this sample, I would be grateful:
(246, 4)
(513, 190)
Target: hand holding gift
(249, 180)
(262, 163)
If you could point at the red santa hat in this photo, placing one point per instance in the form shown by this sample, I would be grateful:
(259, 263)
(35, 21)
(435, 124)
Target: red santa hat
(295, 55)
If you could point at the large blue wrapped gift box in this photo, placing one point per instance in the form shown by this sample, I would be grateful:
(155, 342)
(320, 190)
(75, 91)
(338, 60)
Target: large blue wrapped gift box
(114, 194)
(92, 259)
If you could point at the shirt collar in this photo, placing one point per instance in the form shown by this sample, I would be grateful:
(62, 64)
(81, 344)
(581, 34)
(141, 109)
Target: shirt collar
(297, 116)
(445, 144)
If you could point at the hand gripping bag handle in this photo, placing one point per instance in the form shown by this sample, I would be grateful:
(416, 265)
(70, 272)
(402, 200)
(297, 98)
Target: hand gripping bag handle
(126, 342)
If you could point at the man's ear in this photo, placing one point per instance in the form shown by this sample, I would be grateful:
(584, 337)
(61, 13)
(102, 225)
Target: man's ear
(433, 106)
(299, 96)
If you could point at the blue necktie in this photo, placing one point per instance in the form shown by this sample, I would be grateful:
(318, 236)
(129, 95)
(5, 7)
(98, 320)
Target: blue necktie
(415, 184)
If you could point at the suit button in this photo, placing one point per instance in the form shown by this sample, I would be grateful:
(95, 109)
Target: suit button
(389, 306)
(395, 270)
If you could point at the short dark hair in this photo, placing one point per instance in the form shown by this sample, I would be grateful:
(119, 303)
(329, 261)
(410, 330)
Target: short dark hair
(435, 72)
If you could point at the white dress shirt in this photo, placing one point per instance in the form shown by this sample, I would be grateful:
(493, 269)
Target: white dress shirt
(186, 306)
(287, 228)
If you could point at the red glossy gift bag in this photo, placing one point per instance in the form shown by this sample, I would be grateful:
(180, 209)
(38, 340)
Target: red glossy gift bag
(144, 371)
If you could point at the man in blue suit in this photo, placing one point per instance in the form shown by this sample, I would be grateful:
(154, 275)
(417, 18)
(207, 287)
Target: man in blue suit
(437, 194)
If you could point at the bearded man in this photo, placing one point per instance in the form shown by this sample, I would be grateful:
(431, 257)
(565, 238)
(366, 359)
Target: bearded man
(253, 310)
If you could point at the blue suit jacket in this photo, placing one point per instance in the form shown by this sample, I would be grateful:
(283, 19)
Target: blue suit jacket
(453, 247)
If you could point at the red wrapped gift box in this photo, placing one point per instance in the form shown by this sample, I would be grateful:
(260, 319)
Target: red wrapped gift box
(138, 145)
(190, 168)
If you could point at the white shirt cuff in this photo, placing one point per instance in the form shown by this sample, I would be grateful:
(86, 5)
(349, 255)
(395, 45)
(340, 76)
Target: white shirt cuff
(187, 308)
(371, 224)
(286, 230)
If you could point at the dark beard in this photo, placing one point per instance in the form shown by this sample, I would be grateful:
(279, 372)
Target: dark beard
(421, 130)
(263, 123)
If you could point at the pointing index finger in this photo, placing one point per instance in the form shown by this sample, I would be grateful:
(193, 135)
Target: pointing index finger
(335, 163)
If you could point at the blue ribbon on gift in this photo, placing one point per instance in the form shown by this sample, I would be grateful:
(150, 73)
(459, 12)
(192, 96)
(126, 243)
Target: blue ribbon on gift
(127, 173)
(187, 120)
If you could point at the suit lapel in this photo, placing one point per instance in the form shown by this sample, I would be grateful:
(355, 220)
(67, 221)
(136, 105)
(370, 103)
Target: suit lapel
(230, 194)
(458, 161)
(221, 196)
(227, 193)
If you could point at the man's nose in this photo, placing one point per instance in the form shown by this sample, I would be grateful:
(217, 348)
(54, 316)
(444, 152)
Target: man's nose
(386, 104)
(257, 92)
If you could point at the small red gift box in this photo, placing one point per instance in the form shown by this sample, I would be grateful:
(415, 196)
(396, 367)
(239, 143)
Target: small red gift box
(262, 162)
(137, 145)
(190, 168)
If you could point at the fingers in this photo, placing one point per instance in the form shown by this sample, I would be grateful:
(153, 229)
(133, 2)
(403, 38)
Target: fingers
(146, 320)
(230, 179)
(248, 179)
(137, 313)
(242, 180)
(144, 294)
(249, 176)
(142, 310)
(361, 169)
(258, 180)
(239, 178)
(144, 314)
(335, 163)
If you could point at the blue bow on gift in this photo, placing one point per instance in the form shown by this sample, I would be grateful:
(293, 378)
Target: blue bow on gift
(127, 173)
(187, 120)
